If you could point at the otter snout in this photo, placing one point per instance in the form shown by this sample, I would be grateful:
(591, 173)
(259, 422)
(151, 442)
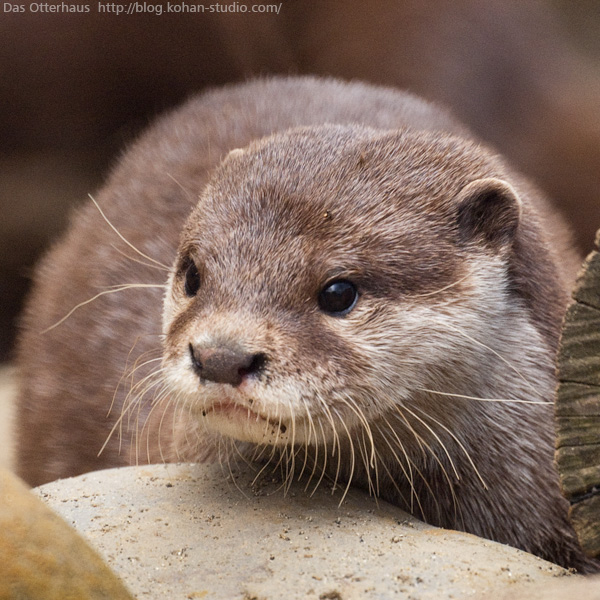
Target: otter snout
(225, 364)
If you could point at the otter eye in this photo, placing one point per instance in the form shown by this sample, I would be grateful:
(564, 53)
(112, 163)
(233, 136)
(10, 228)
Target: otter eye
(338, 297)
(192, 280)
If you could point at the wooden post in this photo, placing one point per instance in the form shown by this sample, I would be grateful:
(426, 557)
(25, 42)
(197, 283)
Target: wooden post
(577, 408)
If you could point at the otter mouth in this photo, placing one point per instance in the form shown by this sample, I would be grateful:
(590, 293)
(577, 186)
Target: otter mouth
(243, 423)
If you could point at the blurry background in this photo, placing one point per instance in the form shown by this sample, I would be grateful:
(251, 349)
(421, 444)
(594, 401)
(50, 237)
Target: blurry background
(75, 89)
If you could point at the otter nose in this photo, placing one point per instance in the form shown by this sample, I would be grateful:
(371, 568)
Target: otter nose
(225, 364)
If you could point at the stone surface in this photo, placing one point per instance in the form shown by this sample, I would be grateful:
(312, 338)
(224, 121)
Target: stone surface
(569, 588)
(42, 558)
(197, 531)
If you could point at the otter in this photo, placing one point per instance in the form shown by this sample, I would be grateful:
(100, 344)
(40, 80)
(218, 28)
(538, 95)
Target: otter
(331, 278)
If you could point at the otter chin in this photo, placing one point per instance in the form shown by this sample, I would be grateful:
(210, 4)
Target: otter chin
(355, 288)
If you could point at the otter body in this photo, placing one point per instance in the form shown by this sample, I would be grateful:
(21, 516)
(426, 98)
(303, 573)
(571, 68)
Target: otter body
(328, 276)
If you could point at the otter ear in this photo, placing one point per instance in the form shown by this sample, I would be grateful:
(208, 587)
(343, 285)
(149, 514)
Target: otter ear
(489, 211)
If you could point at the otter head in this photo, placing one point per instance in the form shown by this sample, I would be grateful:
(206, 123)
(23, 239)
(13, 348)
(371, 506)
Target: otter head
(329, 275)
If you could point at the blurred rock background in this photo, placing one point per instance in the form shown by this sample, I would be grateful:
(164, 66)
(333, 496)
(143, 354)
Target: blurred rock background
(75, 89)
(7, 393)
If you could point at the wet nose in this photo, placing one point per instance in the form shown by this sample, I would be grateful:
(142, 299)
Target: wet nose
(225, 364)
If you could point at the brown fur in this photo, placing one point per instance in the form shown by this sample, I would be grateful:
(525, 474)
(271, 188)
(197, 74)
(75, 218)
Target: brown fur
(461, 292)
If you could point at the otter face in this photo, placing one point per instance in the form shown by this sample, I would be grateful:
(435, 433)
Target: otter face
(327, 276)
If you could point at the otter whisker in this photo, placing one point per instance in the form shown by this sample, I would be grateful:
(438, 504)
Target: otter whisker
(183, 405)
(392, 480)
(307, 442)
(325, 454)
(292, 444)
(178, 407)
(145, 383)
(273, 454)
(460, 444)
(137, 366)
(129, 374)
(172, 401)
(352, 461)
(370, 462)
(430, 453)
(437, 437)
(336, 440)
(138, 434)
(235, 452)
(287, 468)
(351, 403)
(446, 287)
(275, 448)
(282, 459)
(128, 286)
(413, 493)
(126, 410)
(152, 260)
(157, 401)
(408, 475)
(407, 470)
(165, 408)
(242, 456)
(279, 418)
(136, 394)
(478, 399)
(260, 450)
(497, 354)
(192, 420)
(221, 442)
(282, 466)
(136, 260)
(112, 290)
(424, 448)
(187, 192)
(225, 460)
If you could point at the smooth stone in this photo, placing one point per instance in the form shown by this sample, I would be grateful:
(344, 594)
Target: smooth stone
(42, 558)
(570, 588)
(197, 531)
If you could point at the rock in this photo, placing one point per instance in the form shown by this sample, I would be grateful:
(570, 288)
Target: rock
(586, 588)
(42, 558)
(196, 531)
